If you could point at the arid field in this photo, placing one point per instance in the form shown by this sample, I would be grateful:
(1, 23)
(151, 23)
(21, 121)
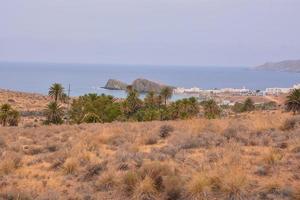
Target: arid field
(251, 156)
(254, 155)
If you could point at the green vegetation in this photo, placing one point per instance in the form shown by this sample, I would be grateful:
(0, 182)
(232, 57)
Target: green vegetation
(54, 113)
(9, 116)
(246, 106)
(211, 109)
(293, 101)
(166, 93)
(94, 108)
(56, 91)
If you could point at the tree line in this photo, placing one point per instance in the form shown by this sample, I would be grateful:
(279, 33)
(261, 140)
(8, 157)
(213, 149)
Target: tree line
(94, 108)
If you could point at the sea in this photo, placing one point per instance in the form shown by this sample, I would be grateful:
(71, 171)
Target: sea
(90, 78)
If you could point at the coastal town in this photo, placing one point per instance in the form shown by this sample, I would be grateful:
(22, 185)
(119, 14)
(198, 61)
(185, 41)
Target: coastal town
(236, 91)
(229, 96)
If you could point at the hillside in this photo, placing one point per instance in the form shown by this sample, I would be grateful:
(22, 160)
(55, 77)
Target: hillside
(24, 101)
(287, 65)
(248, 157)
(251, 155)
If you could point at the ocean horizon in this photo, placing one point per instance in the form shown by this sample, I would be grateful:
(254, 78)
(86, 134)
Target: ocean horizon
(89, 78)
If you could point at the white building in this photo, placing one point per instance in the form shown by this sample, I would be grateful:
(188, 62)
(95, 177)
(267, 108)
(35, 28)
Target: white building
(187, 90)
(276, 91)
(297, 86)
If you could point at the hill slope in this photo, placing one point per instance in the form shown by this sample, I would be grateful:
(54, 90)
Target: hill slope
(287, 65)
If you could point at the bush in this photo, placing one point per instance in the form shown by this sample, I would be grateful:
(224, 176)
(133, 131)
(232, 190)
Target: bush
(150, 138)
(9, 116)
(70, 166)
(172, 188)
(9, 164)
(246, 106)
(106, 182)
(156, 171)
(93, 108)
(91, 118)
(145, 190)
(289, 124)
(165, 131)
(198, 187)
(273, 157)
(211, 109)
(129, 182)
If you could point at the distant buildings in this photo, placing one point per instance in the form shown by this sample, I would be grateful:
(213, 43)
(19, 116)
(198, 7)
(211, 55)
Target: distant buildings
(277, 91)
(234, 91)
(195, 90)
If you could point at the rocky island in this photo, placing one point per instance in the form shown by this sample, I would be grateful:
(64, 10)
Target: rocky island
(141, 85)
(113, 84)
(287, 66)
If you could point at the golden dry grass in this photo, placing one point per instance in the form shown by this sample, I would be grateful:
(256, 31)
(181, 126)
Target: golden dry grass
(247, 156)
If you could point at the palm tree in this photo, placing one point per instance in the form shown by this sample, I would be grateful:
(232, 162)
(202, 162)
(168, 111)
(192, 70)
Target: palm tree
(56, 91)
(132, 102)
(150, 99)
(13, 118)
(293, 101)
(9, 116)
(54, 113)
(4, 113)
(166, 93)
(211, 109)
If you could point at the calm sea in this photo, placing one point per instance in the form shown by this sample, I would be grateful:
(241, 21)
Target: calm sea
(86, 78)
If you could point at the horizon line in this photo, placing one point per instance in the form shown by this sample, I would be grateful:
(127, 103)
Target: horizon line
(125, 64)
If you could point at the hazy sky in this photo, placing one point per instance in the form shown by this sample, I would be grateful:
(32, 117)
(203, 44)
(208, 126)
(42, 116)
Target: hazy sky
(158, 32)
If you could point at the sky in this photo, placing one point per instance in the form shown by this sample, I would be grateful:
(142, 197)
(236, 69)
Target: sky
(150, 32)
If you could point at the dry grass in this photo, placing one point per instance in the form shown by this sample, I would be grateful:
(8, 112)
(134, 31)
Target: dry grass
(247, 156)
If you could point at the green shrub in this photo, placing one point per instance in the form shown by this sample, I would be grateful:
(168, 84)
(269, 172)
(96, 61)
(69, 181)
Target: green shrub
(9, 116)
(211, 109)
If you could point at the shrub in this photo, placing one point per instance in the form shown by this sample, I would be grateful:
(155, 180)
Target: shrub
(94, 169)
(156, 171)
(237, 132)
(246, 106)
(9, 116)
(129, 182)
(106, 182)
(150, 138)
(13, 118)
(165, 131)
(185, 141)
(273, 157)
(262, 170)
(91, 118)
(232, 183)
(145, 190)
(238, 107)
(172, 188)
(70, 166)
(9, 164)
(289, 124)
(211, 109)
(199, 186)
